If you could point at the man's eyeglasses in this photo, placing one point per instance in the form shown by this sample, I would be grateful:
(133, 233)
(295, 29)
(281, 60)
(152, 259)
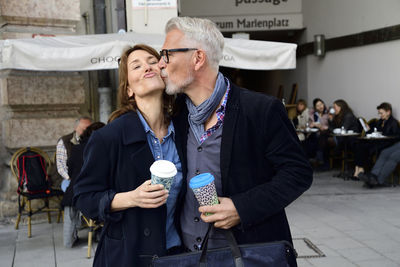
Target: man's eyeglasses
(165, 52)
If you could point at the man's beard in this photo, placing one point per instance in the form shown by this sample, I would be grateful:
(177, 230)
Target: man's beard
(176, 88)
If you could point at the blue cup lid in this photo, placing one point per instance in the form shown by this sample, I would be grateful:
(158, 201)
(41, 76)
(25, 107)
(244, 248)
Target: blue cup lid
(201, 180)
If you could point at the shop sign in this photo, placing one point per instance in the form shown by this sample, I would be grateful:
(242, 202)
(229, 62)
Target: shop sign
(139, 4)
(205, 8)
(258, 23)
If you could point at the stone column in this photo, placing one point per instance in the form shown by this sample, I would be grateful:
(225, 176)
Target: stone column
(104, 103)
(36, 108)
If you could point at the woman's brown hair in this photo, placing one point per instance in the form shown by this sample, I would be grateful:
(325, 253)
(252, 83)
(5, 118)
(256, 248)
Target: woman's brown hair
(126, 103)
(344, 109)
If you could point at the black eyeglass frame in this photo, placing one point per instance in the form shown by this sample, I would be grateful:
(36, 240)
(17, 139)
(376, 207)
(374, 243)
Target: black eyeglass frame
(165, 52)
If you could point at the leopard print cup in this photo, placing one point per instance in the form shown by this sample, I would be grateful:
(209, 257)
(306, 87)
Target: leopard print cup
(206, 195)
(203, 187)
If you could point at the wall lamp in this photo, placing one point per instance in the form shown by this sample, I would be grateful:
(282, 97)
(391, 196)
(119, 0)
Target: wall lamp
(319, 45)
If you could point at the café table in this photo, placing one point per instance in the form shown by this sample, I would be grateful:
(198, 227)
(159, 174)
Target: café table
(377, 140)
(308, 130)
(346, 137)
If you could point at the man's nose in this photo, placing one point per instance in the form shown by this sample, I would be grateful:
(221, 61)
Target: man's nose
(161, 63)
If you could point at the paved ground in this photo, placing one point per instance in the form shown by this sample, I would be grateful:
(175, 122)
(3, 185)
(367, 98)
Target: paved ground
(351, 225)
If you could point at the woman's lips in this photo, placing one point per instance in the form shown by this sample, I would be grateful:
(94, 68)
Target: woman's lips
(150, 75)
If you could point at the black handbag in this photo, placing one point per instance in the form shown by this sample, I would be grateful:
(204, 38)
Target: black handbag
(271, 254)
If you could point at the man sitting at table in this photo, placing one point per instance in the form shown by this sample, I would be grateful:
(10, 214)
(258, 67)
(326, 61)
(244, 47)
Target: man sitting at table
(388, 126)
(384, 166)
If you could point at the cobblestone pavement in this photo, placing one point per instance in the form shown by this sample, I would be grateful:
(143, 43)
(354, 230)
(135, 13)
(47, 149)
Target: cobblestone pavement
(349, 224)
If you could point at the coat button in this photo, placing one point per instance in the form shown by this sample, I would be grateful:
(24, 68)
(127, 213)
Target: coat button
(196, 247)
(198, 239)
(197, 172)
(196, 219)
(146, 232)
(199, 149)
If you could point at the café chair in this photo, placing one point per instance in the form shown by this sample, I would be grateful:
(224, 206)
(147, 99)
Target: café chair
(31, 164)
(293, 94)
(93, 226)
(372, 121)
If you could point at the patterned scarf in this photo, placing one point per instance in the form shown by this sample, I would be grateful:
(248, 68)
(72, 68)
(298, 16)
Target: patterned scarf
(198, 115)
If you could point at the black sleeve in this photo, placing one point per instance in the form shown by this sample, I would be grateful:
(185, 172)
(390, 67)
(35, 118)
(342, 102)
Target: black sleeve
(293, 174)
(93, 191)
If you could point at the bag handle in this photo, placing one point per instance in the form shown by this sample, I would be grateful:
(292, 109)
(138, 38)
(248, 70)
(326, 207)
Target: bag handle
(237, 255)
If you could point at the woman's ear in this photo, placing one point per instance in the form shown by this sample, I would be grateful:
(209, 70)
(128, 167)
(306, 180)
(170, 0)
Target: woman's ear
(129, 91)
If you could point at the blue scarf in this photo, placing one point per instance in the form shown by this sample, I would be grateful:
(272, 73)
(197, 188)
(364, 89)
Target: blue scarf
(199, 115)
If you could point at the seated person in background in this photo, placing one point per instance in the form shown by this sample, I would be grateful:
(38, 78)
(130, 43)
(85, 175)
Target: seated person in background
(64, 145)
(384, 166)
(388, 126)
(319, 115)
(63, 153)
(345, 119)
(303, 117)
(316, 144)
(74, 164)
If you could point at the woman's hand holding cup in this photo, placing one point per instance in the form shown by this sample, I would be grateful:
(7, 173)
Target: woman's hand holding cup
(148, 195)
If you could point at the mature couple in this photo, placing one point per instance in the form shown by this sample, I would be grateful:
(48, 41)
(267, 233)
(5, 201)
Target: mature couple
(243, 138)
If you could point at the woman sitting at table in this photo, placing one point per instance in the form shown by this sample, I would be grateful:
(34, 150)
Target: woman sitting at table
(316, 144)
(388, 126)
(302, 119)
(319, 115)
(343, 118)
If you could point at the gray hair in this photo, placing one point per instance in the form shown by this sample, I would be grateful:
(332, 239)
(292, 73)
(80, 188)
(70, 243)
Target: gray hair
(202, 32)
(78, 120)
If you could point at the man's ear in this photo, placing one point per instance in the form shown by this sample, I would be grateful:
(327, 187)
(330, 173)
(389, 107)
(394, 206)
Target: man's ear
(200, 59)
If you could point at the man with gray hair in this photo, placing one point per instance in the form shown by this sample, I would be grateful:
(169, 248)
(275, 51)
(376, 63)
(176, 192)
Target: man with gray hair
(63, 152)
(243, 138)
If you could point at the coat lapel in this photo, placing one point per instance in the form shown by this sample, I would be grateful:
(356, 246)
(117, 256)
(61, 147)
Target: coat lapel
(134, 138)
(181, 125)
(228, 131)
(133, 130)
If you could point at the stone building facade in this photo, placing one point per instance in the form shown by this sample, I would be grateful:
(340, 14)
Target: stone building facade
(36, 108)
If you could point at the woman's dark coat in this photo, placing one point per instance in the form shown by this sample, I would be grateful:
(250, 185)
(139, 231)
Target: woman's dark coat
(117, 159)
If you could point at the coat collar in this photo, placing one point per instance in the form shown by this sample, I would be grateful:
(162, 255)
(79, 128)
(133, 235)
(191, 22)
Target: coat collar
(132, 129)
(228, 131)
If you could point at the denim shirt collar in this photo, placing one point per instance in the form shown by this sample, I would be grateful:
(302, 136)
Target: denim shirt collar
(147, 129)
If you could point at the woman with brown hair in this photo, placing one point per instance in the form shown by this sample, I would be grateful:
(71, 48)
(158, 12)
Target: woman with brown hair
(343, 117)
(114, 185)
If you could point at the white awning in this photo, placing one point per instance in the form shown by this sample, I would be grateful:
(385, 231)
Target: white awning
(101, 51)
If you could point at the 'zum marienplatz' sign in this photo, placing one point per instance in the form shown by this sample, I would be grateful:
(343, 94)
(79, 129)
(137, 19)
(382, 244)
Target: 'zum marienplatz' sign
(247, 15)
